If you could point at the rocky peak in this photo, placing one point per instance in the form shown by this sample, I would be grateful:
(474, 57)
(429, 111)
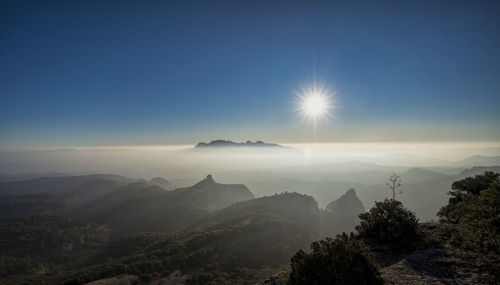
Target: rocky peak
(347, 202)
(210, 178)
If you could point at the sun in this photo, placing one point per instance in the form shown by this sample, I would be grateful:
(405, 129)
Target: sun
(315, 103)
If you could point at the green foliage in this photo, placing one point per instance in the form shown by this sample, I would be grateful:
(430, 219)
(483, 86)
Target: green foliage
(41, 247)
(293, 207)
(12, 206)
(233, 245)
(475, 208)
(462, 192)
(240, 244)
(48, 237)
(343, 260)
(220, 253)
(479, 229)
(388, 223)
(480, 224)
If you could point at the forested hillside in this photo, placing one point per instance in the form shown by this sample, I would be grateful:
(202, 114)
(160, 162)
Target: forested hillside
(212, 233)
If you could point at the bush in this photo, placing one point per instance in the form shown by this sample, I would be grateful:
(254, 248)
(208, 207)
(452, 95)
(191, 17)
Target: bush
(478, 229)
(343, 260)
(462, 192)
(474, 208)
(388, 223)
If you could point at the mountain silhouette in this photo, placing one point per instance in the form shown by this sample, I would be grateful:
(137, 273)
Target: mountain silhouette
(141, 207)
(342, 214)
(62, 184)
(226, 143)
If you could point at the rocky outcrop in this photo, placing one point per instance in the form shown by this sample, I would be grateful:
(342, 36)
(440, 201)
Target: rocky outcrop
(342, 214)
(432, 262)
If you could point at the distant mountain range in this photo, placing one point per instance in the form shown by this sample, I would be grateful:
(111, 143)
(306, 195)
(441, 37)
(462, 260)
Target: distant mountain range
(61, 184)
(478, 160)
(124, 204)
(225, 143)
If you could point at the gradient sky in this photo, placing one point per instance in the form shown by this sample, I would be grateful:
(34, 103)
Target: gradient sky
(87, 73)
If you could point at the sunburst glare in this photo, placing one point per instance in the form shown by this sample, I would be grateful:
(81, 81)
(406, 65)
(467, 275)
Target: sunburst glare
(315, 103)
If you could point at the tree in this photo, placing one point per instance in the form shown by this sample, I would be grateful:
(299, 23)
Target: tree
(388, 223)
(462, 192)
(394, 183)
(474, 208)
(343, 260)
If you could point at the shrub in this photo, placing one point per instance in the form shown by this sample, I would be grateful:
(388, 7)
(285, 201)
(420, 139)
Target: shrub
(462, 192)
(478, 229)
(474, 208)
(388, 222)
(343, 260)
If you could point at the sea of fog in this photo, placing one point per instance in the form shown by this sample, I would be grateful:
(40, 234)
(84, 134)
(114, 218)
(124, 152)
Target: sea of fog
(183, 161)
(324, 171)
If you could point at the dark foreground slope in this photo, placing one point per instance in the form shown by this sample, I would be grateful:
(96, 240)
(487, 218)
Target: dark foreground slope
(430, 262)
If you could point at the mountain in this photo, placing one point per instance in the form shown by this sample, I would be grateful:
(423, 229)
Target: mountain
(50, 203)
(415, 175)
(210, 195)
(141, 207)
(478, 170)
(478, 160)
(239, 244)
(110, 200)
(55, 184)
(161, 182)
(342, 214)
(267, 228)
(96, 188)
(324, 191)
(225, 143)
(348, 204)
(4, 177)
(293, 207)
(407, 159)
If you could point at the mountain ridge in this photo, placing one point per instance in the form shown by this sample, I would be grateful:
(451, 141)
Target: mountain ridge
(228, 143)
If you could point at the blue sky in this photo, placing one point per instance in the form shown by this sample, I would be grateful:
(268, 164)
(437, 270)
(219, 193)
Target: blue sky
(87, 73)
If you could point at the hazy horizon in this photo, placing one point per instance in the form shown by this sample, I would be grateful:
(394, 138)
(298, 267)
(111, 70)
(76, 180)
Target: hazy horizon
(181, 160)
